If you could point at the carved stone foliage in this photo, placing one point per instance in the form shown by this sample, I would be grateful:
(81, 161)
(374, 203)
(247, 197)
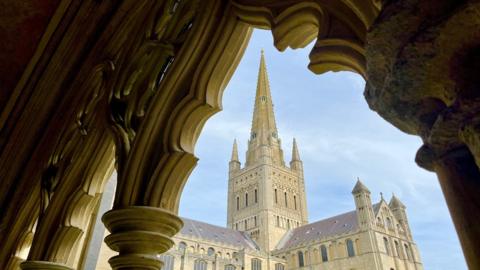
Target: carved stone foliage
(162, 93)
(146, 49)
(340, 28)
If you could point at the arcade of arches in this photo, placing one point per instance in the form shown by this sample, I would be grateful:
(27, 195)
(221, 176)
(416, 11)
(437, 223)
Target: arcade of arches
(89, 86)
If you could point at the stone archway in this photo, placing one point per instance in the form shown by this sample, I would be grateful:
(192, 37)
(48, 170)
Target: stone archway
(162, 66)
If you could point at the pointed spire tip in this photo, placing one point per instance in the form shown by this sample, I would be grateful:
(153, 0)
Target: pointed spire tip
(234, 151)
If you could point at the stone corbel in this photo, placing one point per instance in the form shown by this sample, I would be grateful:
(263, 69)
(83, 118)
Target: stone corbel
(340, 28)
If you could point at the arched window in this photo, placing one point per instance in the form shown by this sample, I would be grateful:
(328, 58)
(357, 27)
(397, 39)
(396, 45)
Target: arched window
(168, 261)
(295, 201)
(200, 265)
(246, 199)
(276, 196)
(238, 203)
(279, 266)
(256, 196)
(210, 251)
(256, 264)
(278, 221)
(301, 262)
(245, 224)
(407, 251)
(288, 223)
(397, 249)
(350, 249)
(229, 267)
(182, 246)
(255, 221)
(323, 251)
(387, 248)
(286, 199)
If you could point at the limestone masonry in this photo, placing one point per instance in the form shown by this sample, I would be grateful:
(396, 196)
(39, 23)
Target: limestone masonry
(267, 219)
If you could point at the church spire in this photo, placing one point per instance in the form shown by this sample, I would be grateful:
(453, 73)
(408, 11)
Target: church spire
(263, 122)
(264, 144)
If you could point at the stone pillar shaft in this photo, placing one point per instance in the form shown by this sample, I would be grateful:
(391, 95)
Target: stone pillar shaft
(43, 265)
(459, 178)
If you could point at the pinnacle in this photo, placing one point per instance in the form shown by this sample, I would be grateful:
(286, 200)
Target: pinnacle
(235, 151)
(295, 153)
(395, 202)
(360, 187)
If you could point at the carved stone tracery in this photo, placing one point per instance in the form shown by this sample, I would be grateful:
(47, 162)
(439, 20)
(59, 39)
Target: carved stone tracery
(156, 71)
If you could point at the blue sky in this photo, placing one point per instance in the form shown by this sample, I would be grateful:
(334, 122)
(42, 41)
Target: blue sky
(339, 139)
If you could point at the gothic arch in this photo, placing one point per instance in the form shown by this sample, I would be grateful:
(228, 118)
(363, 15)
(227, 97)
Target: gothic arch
(156, 112)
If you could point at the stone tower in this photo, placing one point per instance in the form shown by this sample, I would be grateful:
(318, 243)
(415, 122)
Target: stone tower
(398, 210)
(363, 205)
(266, 198)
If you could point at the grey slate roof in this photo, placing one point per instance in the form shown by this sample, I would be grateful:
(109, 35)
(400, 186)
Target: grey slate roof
(343, 223)
(209, 232)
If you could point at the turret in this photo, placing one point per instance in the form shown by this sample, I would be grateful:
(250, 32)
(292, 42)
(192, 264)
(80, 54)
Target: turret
(234, 163)
(296, 163)
(363, 205)
(398, 210)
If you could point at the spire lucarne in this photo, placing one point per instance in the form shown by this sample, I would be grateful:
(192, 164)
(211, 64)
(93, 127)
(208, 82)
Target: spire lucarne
(264, 145)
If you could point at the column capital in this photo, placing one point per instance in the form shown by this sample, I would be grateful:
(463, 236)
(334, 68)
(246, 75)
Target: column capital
(43, 265)
(138, 233)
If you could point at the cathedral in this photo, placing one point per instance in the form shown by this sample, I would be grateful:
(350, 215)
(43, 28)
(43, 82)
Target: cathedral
(267, 219)
(91, 86)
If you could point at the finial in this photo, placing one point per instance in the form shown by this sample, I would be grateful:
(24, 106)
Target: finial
(261, 51)
(381, 196)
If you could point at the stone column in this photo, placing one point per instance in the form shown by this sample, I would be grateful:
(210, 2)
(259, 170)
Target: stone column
(459, 178)
(43, 265)
(139, 233)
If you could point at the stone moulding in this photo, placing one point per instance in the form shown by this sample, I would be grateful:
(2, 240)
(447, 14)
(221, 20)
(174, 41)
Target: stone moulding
(139, 233)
